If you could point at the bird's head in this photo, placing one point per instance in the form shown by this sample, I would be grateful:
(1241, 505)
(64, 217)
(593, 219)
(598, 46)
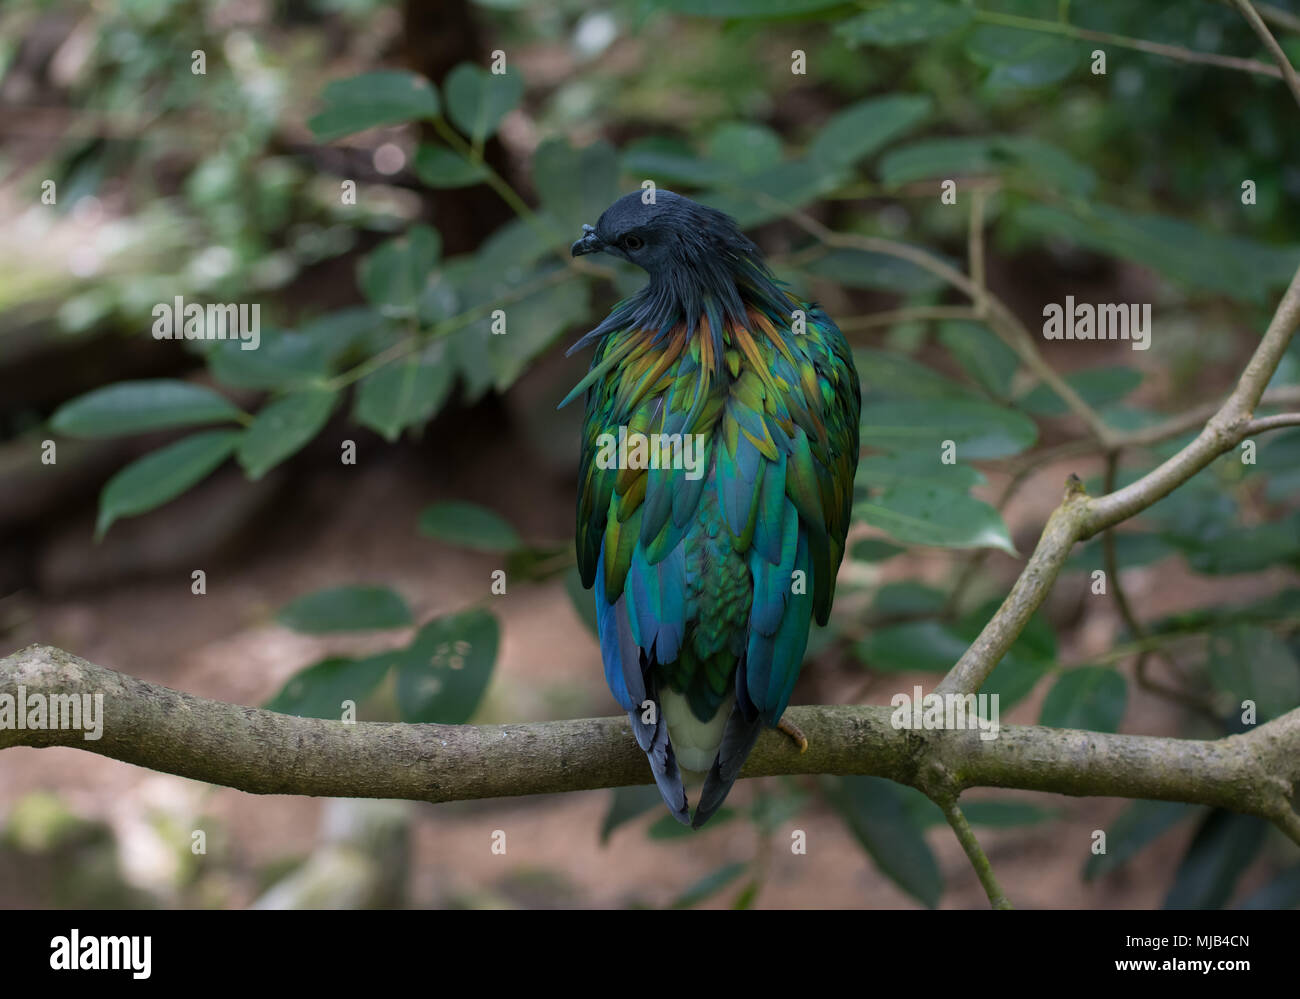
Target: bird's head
(670, 233)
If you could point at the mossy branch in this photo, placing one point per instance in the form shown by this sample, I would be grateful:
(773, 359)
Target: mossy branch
(264, 752)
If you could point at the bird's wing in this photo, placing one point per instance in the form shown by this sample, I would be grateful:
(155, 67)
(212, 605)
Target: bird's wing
(810, 407)
(631, 522)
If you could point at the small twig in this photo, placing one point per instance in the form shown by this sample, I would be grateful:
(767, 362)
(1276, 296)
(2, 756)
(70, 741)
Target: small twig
(1139, 633)
(974, 852)
(1275, 50)
(975, 249)
(999, 317)
(1140, 44)
(1262, 423)
(1278, 17)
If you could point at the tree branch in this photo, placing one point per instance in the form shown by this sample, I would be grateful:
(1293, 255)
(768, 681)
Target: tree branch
(975, 853)
(1179, 52)
(1079, 517)
(1257, 24)
(263, 752)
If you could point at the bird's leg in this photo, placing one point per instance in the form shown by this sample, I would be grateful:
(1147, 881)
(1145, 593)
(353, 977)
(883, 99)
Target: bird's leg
(795, 733)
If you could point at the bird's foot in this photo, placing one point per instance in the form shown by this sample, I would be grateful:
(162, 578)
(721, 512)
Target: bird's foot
(794, 733)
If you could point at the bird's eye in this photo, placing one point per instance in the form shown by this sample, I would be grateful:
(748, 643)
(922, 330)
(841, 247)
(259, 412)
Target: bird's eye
(632, 242)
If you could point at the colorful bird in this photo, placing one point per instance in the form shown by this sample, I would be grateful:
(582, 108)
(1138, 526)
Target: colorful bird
(712, 546)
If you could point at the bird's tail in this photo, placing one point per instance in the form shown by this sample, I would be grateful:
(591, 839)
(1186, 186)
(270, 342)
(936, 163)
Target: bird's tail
(658, 748)
(742, 731)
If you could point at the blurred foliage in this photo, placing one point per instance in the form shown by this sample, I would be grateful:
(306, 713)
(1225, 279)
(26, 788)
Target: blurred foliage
(233, 185)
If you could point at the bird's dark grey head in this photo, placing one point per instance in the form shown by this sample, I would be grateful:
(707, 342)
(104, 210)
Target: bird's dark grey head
(701, 267)
(669, 232)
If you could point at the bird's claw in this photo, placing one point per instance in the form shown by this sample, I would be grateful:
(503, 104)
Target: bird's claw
(794, 733)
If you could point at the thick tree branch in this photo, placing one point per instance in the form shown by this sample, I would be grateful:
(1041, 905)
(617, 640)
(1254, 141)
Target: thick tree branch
(263, 752)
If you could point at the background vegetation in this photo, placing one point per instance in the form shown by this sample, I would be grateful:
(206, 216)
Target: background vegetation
(231, 186)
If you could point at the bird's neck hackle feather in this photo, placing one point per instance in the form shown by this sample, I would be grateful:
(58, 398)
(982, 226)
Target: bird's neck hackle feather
(718, 284)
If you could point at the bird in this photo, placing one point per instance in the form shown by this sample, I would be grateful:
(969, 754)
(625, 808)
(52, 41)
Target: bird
(710, 553)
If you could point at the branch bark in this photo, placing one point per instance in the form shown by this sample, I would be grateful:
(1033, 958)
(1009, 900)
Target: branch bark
(263, 752)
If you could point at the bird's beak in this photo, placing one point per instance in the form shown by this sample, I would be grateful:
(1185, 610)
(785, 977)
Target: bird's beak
(589, 243)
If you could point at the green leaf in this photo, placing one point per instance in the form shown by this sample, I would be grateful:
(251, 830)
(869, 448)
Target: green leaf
(893, 375)
(533, 323)
(744, 148)
(982, 354)
(947, 157)
(666, 160)
(575, 185)
(440, 167)
(283, 360)
(625, 804)
(387, 97)
(1132, 549)
(908, 596)
(915, 469)
(1013, 679)
(746, 8)
(1022, 159)
(163, 475)
(134, 407)
(1022, 58)
(876, 812)
(443, 674)
(1226, 550)
(904, 22)
(1139, 824)
(1252, 664)
(913, 645)
(342, 330)
(770, 811)
(477, 100)
(1202, 261)
(406, 393)
(346, 608)
(584, 601)
(769, 194)
(469, 526)
(1224, 846)
(875, 271)
(1087, 697)
(978, 429)
(874, 550)
(320, 690)
(709, 885)
(283, 428)
(1097, 387)
(394, 275)
(930, 515)
(863, 128)
(745, 900)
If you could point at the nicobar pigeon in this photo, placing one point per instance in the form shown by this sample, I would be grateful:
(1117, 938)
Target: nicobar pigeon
(707, 574)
